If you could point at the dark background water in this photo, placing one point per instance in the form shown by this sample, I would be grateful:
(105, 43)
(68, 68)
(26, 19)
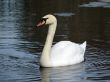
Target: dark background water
(21, 42)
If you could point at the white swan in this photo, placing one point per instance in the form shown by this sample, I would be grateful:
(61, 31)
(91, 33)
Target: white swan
(64, 52)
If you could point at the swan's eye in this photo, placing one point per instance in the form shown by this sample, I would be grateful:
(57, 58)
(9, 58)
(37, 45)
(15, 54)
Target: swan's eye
(43, 19)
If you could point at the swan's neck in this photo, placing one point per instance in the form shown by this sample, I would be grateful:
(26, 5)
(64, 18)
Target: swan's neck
(45, 57)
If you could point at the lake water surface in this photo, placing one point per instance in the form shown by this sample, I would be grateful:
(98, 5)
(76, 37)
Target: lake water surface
(21, 42)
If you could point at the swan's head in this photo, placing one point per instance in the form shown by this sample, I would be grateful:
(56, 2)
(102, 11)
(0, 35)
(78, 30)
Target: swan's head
(47, 20)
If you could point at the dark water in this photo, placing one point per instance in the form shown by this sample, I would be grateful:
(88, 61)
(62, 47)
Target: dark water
(21, 42)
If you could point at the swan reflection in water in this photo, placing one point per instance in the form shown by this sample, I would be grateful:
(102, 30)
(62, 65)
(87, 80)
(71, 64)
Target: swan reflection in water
(63, 74)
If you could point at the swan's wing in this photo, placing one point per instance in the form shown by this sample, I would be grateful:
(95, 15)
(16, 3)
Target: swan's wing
(65, 52)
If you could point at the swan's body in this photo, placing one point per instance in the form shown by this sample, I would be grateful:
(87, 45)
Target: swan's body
(62, 53)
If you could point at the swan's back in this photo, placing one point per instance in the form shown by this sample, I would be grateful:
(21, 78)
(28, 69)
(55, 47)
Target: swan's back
(67, 53)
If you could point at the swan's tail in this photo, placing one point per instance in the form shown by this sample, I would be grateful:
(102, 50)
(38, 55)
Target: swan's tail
(83, 46)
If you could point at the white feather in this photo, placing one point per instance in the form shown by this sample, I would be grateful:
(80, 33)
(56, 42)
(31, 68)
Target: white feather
(67, 53)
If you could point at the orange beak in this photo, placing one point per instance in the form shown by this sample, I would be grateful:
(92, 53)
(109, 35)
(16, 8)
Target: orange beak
(41, 23)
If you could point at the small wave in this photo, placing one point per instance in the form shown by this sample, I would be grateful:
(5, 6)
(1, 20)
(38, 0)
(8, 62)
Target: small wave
(96, 4)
